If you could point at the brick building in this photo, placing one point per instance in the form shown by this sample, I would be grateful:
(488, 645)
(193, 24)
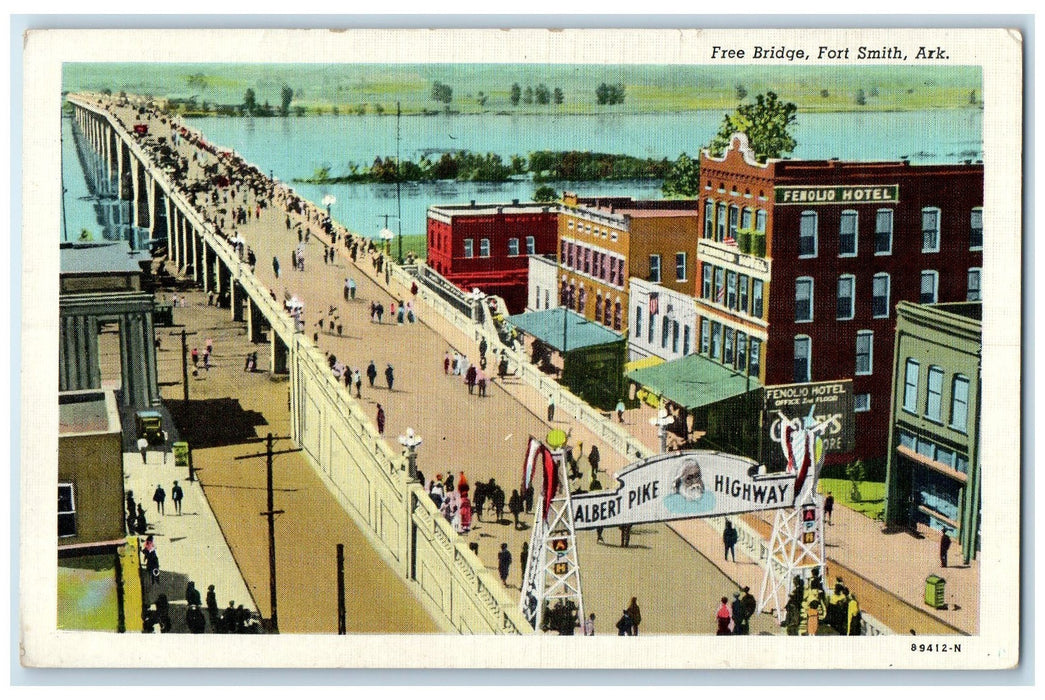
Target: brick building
(605, 241)
(486, 246)
(801, 264)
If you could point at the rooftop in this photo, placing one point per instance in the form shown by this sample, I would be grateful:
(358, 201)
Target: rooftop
(101, 258)
(92, 411)
(561, 326)
(693, 381)
(488, 208)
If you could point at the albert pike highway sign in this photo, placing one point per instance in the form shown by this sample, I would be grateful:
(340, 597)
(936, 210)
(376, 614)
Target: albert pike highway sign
(680, 485)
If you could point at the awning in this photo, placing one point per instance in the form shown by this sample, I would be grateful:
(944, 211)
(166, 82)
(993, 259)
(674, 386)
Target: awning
(693, 381)
(645, 362)
(553, 326)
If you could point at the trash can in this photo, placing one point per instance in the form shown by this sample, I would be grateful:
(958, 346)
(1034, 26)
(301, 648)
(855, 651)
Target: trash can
(181, 454)
(934, 588)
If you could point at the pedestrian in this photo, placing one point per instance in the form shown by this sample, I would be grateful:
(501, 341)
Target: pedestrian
(515, 506)
(140, 524)
(159, 496)
(194, 620)
(528, 498)
(483, 346)
(635, 615)
(480, 382)
(737, 611)
(357, 379)
(371, 373)
(524, 561)
(192, 596)
(551, 408)
(620, 411)
(723, 617)
(593, 460)
(589, 626)
(504, 563)
(410, 316)
(457, 364)
(446, 363)
(497, 497)
(176, 495)
(829, 506)
(209, 344)
(228, 619)
(380, 311)
(389, 376)
(275, 266)
(945, 545)
(469, 379)
(380, 420)
(624, 625)
(479, 499)
(143, 446)
(351, 288)
(152, 565)
(625, 535)
(464, 365)
(206, 361)
(195, 357)
(401, 314)
(729, 540)
(750, 605)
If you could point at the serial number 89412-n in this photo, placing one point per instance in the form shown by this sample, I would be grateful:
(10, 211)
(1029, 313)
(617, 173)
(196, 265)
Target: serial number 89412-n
(936, 647)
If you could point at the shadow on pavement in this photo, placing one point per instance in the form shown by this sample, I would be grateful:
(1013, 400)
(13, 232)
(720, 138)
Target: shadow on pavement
(215, 422)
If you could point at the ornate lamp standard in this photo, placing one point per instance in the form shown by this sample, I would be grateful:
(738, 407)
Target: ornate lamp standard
(411, 442)
(662, 421)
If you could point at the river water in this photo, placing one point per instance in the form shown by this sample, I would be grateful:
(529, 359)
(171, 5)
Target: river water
(295, 147)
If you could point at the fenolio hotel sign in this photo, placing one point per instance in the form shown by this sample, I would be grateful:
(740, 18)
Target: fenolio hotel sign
(837, 194)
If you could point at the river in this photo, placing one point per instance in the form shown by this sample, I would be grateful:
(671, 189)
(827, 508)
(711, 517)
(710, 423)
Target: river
(295, 147)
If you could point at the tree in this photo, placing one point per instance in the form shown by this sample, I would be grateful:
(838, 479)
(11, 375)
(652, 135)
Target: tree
(528, 95)
(299, 110)
(542, 94)
(972, 97)
(856, 472)
(602, 94)
(250, 101)
(442, 92)
(741, 92)
(684, 178)
(824, 93)
(515, 94)
(767, 124)
(285, 96)
(481, 99)
(545, 193)
(861, 98)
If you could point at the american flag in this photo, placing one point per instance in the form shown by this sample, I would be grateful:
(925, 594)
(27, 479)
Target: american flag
(720, 297)
(729, 240)
(654, 303)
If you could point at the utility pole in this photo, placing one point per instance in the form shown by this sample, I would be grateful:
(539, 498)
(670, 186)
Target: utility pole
(399, 201)
(341, 613)
(185, 363)
(270, 515)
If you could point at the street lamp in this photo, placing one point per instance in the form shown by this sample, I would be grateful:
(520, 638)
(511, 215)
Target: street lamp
(386, 236)
(662, 421)
(329, 200)
(411, 442)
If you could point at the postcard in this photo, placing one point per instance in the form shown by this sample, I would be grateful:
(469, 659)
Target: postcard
(433, 348)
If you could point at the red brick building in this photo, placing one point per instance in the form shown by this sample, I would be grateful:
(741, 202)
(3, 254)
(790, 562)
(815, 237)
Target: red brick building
(487, 245)
(801, 265)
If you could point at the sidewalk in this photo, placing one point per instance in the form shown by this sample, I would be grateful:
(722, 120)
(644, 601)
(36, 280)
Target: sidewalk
(190, 546)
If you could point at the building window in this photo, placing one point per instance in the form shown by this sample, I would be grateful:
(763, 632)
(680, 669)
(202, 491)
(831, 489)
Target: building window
(883, 232)
(484, 248)
(756, 298)
(807, 243)
(734, 216)
(910, 386)
(537, 297)
(847, 234)
(513, 246)
(720, 231)
(930, 285)
(654, 268)
(803, 299)
(606, 314)
(468, 249)
(709, 219)
(720, 285)
(582, 300)
(754, 367)
(861, 403)
(974, 285)
(976, 229)
(637, 330)
(531, 245)
(685, 339)
(66, 511)
(705, 336)
(680, 267)
(960, 403)
(934, 395)
(587, 261)
(864, 352)
(745, 220)
(649, 330)
(880, 295)
(674, 336)
(760, 221)
(731, 289)
(598, 305)
(569, 224)
(742, 299)
(665, 328)
(930, 230)
(727, 346)
(706, 281)
(617, 315)
(716, 340)
(846, 305)
(547, 299)
(742, 351)
(802, 358)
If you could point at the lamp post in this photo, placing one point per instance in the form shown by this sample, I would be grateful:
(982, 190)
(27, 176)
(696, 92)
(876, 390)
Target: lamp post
(411, 442)
(386, 236)
(329, 200)
(662, 421)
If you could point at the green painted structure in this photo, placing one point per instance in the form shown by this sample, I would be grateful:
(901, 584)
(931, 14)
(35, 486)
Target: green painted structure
(933, 471)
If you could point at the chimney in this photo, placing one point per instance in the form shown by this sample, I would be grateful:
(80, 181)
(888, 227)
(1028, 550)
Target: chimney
(473, 203)
(515, 202)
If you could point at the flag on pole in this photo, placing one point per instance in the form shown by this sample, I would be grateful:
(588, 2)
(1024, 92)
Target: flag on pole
(654, 303)
(551, 479)
(720, 297)
(533, 449)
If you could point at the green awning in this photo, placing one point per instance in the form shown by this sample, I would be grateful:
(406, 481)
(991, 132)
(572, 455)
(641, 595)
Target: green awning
(548, 327)
(693, 381)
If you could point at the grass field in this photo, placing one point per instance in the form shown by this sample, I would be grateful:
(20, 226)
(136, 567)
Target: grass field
(872, 495)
